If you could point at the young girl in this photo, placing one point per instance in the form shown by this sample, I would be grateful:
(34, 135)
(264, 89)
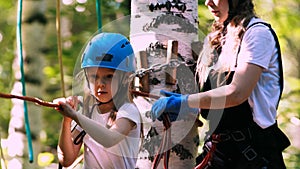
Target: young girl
(110, 127)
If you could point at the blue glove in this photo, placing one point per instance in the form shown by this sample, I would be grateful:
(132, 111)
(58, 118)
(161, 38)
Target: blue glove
(173, 105)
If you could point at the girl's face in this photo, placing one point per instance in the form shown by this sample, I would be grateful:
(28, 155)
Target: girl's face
(219, 9)
(103, 83)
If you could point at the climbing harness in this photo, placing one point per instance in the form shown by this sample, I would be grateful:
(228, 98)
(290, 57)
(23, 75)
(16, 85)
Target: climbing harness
(207, 158)
(242, 138)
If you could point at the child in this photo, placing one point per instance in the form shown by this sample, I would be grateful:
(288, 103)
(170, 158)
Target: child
(111, 127)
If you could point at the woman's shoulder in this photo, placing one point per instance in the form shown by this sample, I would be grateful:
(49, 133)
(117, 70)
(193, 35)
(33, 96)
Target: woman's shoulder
(258, 29)
(257, 23)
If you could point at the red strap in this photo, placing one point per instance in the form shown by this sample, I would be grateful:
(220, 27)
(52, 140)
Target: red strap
(165, 145)
(207, 158)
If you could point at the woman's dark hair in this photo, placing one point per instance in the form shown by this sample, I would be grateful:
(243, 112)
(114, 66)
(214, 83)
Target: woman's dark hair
(239, 15)
(240, 12)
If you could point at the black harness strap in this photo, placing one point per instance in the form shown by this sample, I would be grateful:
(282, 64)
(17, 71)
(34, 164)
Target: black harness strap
(240, 136)
(279, 55)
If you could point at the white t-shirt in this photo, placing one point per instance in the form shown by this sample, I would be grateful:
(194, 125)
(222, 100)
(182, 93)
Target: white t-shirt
(121, 156)
(259, 47)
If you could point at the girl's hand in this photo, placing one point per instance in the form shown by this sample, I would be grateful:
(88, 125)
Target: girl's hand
(67, 106)
(72, 101)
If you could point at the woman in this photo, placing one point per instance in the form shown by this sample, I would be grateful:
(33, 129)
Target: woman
(110, 125)
(240, 74)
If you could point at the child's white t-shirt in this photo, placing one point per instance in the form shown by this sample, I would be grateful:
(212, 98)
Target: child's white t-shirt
(124, 154)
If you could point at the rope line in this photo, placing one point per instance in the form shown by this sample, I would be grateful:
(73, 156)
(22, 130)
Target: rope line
(99, 15)
(31, 99)
(20, 54)
(59, 52)
(59, 48)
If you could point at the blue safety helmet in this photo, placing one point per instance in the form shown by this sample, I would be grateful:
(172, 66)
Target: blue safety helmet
(109, 50)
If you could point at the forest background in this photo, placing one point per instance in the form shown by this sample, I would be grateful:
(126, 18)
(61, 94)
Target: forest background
(79, 23)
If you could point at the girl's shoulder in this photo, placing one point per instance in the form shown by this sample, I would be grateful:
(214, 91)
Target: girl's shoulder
(129, 106)
(130, 111)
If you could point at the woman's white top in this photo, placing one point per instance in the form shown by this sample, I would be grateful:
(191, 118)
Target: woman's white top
(258, 47)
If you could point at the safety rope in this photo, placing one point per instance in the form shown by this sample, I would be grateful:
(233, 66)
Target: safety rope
(31, 99)
(164, 149)
(99, 15)
(59, 52)
(205, 162)
(166, 143)
(59, 48)
(99, 19)
(20, 54)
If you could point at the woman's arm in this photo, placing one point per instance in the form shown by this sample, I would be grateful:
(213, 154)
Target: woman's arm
(244, 80)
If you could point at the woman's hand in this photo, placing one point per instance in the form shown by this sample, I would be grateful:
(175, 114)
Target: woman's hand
(174, 104)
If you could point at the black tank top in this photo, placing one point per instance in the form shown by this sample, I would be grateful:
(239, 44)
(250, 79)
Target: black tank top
(237, 117)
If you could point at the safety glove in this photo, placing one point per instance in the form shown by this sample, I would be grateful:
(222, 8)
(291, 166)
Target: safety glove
(174, 104)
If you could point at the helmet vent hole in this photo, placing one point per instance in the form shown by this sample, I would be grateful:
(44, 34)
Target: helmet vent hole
(105, 57)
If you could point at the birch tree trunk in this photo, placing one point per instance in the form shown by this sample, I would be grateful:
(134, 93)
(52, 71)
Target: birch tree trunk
(33, 30)
(163, 31)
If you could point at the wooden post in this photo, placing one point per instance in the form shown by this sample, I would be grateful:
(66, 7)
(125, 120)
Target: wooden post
(172, 54)
(142, 62)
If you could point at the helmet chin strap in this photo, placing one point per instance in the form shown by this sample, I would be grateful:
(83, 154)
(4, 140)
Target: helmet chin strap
(99, 102)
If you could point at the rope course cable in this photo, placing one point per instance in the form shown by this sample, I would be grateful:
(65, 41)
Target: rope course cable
(59, 52)
(20, 54)
(31, 99)
(99, 14)
(59, 48)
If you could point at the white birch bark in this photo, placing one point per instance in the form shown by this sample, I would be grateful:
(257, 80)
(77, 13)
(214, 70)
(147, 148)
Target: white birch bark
(159, 22)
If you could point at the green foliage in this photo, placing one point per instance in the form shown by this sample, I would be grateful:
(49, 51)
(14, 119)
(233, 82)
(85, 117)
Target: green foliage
(283, 15)
(7, 35)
